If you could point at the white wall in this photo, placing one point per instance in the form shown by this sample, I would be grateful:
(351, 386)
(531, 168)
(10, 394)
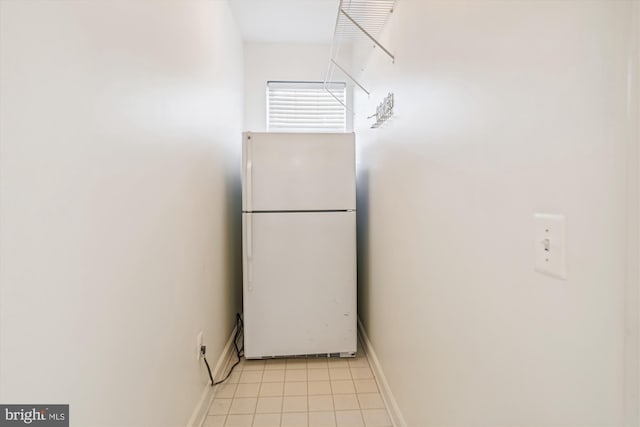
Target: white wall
(503, 109)
(119, 159)
(632, 357)
(287, 62)
(632, 320)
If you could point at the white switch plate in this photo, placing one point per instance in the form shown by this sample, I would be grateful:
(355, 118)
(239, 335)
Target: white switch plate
(549, 242)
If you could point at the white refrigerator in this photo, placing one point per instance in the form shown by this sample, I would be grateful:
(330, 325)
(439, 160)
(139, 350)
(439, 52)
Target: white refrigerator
(299, 244)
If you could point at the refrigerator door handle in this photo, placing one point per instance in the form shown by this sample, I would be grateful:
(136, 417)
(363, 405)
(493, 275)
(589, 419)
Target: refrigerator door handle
(249, 237)
(249, 252)
(249, 175)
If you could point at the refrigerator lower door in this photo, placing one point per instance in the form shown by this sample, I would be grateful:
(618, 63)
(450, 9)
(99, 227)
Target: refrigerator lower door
(299, 283)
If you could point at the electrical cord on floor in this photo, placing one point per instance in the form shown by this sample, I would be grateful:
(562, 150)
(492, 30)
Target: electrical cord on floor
(203, 350)
(239, 352)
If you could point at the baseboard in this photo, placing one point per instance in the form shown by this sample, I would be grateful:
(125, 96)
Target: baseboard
(385, 391)
(199, 414)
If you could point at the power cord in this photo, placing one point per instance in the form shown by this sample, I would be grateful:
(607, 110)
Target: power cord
(239, 352)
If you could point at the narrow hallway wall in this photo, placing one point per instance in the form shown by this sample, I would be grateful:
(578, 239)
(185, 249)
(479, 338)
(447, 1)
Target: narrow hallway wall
(120, 140)
(503, 109)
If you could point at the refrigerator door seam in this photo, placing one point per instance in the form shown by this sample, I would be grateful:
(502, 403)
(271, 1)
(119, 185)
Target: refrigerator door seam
(304, 211)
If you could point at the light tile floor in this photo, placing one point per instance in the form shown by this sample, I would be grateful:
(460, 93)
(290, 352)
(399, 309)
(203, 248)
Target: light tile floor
(299, 392)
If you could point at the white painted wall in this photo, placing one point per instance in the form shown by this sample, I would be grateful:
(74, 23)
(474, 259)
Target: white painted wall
(632, 357)
(295, 62)
(632, 319)
(119, 189)
(637, 137)
(282, 21)
(503, 109)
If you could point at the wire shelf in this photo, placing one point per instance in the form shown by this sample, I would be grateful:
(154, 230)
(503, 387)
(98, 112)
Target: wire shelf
(359, 23)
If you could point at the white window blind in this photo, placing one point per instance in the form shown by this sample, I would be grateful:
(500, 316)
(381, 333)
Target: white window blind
(305, 107)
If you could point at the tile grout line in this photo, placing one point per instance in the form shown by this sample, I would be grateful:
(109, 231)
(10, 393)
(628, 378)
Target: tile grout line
(282, 399)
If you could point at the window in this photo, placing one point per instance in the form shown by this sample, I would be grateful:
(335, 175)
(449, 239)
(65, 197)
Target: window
(305, 107)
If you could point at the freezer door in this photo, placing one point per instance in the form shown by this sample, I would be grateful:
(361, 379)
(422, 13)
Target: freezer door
(299, 283)
(298, 171)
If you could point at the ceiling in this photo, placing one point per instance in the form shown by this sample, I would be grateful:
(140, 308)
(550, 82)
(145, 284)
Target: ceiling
(286, 21)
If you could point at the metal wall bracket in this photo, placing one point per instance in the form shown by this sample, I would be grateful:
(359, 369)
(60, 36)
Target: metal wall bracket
(366, 33)
(350, 76)
(384, 111)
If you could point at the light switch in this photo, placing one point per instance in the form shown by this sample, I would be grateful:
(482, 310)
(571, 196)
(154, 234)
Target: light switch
(550, 245)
